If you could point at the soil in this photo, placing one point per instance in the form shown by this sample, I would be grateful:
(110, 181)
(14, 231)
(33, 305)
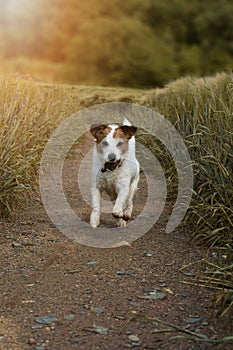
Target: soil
(93, 298)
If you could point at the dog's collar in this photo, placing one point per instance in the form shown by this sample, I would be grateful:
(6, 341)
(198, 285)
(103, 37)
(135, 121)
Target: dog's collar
(111, 166)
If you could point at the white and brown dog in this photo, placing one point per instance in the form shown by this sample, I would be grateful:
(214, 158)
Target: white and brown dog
(115, 170)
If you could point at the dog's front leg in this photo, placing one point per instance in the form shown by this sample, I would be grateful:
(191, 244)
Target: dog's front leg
(122, 188)
(95, 214)
(129, 205)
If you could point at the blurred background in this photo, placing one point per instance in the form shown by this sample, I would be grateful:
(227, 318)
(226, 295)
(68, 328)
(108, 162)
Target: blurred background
(137, 43)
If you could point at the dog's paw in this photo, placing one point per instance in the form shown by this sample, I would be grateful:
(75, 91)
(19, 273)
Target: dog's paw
(117, 214)
(94, 219)
(94, 224)
(128, 213)
(121, 223)
(127, 216)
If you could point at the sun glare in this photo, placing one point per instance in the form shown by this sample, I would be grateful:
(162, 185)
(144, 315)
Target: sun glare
(11, 7)
(17, 9)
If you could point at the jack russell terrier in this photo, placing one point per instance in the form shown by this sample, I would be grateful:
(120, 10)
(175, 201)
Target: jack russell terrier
(115, 170)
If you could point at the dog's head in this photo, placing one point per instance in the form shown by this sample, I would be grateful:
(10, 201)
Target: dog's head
(112, 141)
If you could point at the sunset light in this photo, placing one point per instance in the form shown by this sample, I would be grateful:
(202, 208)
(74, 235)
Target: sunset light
(132, 43)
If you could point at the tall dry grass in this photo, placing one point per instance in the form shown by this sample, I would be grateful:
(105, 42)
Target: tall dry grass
(27, 116)
(202, 112)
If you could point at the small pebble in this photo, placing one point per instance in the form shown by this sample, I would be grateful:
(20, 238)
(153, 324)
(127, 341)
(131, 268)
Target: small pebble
(149, 255)
(68, 317)
(87, 291)
(98, 310)
(134, 338)
(36, 326)
(46, 319)
(120, 317)
(79, 341)
(32, 341)
(92, 262)
(193, 319)
(17, 245)
(120, 272)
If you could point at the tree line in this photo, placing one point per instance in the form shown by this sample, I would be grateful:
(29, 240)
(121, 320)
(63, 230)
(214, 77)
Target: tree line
(131, 43)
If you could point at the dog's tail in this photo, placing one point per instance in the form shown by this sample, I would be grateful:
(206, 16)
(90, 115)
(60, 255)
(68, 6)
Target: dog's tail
(126, 122)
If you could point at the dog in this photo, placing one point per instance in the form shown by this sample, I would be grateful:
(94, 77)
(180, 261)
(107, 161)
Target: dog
(115, 170)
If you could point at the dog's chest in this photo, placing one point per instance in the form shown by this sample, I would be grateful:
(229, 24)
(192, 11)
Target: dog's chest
(107, 181)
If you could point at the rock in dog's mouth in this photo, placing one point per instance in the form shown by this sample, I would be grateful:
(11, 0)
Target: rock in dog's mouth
(110, 166)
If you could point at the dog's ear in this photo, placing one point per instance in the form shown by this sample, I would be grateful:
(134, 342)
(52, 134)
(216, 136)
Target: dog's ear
(127, 131)
(99, 131)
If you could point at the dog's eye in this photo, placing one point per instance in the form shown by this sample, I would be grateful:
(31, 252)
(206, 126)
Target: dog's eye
(120, 143)
(104, 143)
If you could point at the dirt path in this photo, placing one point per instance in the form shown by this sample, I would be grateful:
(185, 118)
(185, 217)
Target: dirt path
(99, 298)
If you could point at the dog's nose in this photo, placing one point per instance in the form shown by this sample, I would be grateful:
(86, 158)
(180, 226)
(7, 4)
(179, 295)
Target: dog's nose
(111, 157)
